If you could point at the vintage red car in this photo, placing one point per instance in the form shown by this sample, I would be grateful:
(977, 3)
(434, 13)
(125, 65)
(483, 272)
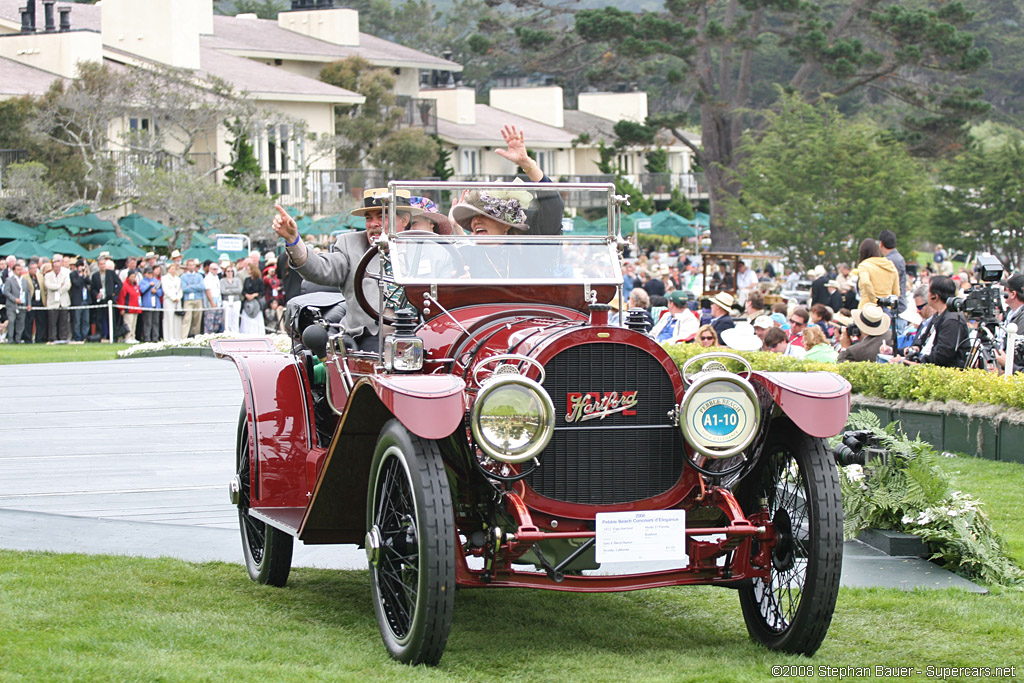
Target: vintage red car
(507, 435)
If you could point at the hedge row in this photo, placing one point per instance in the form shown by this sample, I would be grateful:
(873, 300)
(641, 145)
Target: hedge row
(914, 383)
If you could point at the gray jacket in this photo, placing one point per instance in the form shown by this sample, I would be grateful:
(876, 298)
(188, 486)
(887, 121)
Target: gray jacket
(336, 269)
(14, 289)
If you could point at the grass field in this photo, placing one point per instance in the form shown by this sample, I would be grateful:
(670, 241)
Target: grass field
(18, 354)
(71, 617)
(999, 485)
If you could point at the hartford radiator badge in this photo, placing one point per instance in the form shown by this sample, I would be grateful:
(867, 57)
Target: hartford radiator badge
(596, 405)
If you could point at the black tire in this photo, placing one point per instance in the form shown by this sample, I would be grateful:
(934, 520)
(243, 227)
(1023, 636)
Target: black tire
(797, 477)
(267, 550)
(411, 545)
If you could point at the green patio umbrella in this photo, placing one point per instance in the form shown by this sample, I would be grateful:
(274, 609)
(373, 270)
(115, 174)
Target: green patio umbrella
(83, 224)
(63, 245)
(200, 253)
(118, 248)
(146, 227)
(24, 249)
(9, 230)
(672, 224)
(581, 226)
(204, 253)
(325, 225)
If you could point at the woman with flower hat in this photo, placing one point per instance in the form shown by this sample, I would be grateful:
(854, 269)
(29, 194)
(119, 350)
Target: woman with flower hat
(515, 210)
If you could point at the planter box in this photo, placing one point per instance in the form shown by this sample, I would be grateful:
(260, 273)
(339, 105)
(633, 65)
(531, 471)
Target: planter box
(952, 430)
(895, 543)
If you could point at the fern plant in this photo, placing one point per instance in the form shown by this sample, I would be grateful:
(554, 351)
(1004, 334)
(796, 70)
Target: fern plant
(906, 491)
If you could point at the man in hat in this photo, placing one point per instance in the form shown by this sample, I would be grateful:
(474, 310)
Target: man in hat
(873, 323)
(678, 323)
(176, 259)
(721, 307)
(336, 268)
(656, 286)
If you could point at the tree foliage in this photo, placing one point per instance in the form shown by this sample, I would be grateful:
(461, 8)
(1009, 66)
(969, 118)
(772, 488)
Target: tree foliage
(264, 9)
(245, 172)
(193, 202)
(898, 52)
(981, 203)
(88, 117)
(29, 197)
(369, 132)
(816, 182)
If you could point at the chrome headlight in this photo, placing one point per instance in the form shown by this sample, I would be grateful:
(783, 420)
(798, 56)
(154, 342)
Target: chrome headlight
(512, 419)
(720, 414)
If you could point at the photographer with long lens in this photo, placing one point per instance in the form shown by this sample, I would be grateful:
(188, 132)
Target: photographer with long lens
(946, 339)
(1013, 292)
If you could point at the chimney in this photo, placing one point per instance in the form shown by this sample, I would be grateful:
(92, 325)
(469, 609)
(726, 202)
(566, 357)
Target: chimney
(321, 19)
(65, 19)
(51, 26)
(28, 17)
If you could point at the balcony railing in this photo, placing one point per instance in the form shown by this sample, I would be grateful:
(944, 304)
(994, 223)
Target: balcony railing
(417, 113)
(660, 185)
(126, 167)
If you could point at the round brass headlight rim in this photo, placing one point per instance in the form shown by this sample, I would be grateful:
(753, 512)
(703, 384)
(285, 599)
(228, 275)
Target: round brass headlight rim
(693, 392)
(547, 430)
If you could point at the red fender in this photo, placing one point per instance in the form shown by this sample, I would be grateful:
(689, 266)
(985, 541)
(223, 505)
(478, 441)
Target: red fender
(816, 402)
(430, 406)
(281, 419)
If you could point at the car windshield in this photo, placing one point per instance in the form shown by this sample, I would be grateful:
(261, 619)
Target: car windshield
(465, 259)
(503, 232)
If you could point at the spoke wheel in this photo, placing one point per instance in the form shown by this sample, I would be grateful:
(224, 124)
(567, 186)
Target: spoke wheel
(268, 551)
(798, 482)
(410, 546)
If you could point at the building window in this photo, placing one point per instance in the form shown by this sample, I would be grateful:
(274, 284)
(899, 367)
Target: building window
(546, 160)
(470, 162)
(135, 123)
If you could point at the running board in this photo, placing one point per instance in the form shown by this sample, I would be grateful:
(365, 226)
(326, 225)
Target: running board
(285, 519)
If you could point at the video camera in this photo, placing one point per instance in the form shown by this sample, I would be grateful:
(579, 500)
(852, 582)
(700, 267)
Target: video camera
(858, 447)
(982, 303)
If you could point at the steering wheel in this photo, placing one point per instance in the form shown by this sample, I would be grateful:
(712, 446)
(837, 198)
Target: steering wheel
(388, 279)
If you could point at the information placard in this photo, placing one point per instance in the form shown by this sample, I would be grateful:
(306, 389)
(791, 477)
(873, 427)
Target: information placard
(648, 536)
(230, 243)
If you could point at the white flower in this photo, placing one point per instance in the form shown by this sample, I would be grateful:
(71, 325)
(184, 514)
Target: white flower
(854, 472)
(280, 341)
(907, 519)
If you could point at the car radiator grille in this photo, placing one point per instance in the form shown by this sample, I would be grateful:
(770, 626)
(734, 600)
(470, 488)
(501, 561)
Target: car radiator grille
(620, 458)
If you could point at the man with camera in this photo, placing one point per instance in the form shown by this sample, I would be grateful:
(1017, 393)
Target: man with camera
(1013, 292)
(946, 339)
(863, 340)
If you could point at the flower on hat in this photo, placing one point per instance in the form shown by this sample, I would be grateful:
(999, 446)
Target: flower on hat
(506, 209)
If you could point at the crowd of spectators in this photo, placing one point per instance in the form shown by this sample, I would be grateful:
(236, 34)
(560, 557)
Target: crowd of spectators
(877, 311)
(65, 300)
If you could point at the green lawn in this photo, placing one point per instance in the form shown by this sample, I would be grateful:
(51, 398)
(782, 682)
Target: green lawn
(926, 257)
(17, 354)
(999, 485)
(72, 617)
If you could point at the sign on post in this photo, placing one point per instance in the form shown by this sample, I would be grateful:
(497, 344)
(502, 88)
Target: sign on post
(643, 224)
(232, 243)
